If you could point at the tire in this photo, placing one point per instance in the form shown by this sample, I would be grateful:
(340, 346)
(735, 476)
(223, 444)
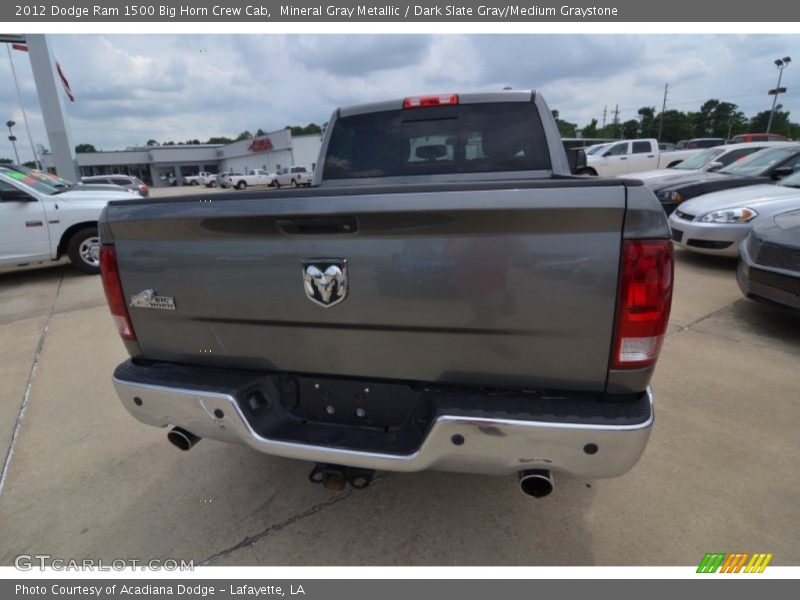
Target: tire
(213, 184)
(277, 184)
(587, 172)
(294, 183)
(83, 250)
(194, 182)
(242, 185)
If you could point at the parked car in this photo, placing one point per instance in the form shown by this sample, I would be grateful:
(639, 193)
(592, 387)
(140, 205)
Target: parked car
(293, 176)
(769, 263)
(532, 355)
(696, 143)
(225, 178)
(715, 223)
(631, 156)
(127, 181)
(63, 184)
(202, 178)
(766, 166)
(42, 222)
(254, 178)
(708, 159)
(665, 147)
(758, 137)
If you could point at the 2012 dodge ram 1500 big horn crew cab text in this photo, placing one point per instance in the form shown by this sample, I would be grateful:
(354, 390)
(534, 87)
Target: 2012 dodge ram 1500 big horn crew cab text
(448, 296)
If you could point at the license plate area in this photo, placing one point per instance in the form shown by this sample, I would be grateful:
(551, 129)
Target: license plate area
(352, 402)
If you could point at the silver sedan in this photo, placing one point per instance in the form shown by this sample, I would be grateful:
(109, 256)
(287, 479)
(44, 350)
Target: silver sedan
(715, 223)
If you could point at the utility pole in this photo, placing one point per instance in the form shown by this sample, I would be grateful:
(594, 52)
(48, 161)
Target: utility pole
(616, 120)
(603, 127)
(663, 108)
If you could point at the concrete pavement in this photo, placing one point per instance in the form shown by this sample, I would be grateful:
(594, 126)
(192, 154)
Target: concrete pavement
(721, 472)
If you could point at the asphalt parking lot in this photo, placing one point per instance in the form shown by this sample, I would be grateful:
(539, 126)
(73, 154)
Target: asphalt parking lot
(721, 473)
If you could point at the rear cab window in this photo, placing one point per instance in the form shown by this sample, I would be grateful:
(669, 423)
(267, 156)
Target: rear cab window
(641, 147)
(465, 138)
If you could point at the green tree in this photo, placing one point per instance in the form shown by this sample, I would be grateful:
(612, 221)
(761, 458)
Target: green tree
(630, 129)
(30, 164)
(245, 135)
(648, 122)
(6, 161)
(780, 122)
(85, 148)
(590, 131)
(260, 132)
(310, 129)
(152, 143)
(565, 128)
(219, 140)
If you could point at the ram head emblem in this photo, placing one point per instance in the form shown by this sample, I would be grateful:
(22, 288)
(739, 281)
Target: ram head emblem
(325, 281)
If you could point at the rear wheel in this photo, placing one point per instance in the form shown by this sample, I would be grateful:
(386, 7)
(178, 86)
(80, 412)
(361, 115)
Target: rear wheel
(213, 184)
(242, 185)
(294, 183)
(194, 181)
(277, 184)
(587, 172)
(83, 250)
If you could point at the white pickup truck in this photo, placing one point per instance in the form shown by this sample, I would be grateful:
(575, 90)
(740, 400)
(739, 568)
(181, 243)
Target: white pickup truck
(254, 178)
(632, 156)
(40, 221)
(293, 176)
(202, 178)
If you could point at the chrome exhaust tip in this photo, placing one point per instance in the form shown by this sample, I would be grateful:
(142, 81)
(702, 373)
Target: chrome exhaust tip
(536, 483)
(182, 439)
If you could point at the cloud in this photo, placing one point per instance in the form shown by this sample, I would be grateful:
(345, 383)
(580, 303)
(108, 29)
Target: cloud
(131, 88)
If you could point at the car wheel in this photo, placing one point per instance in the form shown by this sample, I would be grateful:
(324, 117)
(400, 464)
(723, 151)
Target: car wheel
(241, 185)
(587, 172)
(194, 182)
(213, 184)
(294, 183)
(83, 250)
(277, 184)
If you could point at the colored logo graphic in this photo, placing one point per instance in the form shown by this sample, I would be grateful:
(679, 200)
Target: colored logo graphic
(736, 562)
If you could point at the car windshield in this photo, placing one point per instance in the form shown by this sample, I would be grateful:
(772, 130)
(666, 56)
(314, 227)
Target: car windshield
(37, 181)
(792, 180)
(595, 149)
(757, 163)
(700, 159)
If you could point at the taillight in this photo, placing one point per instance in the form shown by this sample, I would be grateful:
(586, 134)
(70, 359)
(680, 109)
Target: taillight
(143, 189)
(114, 294)
(423, 101)
(645, 296)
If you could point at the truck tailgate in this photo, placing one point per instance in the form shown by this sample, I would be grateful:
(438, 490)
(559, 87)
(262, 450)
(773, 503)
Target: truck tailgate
(504, 285)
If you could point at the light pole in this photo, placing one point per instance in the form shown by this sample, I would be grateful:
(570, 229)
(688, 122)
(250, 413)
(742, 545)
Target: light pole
(781, 63)
(12, 138)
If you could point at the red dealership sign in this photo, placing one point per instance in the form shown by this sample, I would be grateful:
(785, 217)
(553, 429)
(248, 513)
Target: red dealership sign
(262, 144)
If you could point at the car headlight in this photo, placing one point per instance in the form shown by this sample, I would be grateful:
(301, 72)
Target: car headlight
(670, 197)
(731, 215)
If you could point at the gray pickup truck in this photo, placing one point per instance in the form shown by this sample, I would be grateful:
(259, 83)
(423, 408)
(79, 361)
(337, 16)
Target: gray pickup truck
(447, 296)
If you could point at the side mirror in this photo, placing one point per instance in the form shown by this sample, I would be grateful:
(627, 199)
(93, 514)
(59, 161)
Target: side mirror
(15, 195)
(784, 171)
(576, 157)
(714, 166)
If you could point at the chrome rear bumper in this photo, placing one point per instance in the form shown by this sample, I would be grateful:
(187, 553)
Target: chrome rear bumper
(488, 444)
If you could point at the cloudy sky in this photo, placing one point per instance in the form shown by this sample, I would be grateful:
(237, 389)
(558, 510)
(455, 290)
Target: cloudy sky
(131, 88)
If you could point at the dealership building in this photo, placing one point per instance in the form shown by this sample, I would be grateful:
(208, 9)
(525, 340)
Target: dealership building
(161, 165)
